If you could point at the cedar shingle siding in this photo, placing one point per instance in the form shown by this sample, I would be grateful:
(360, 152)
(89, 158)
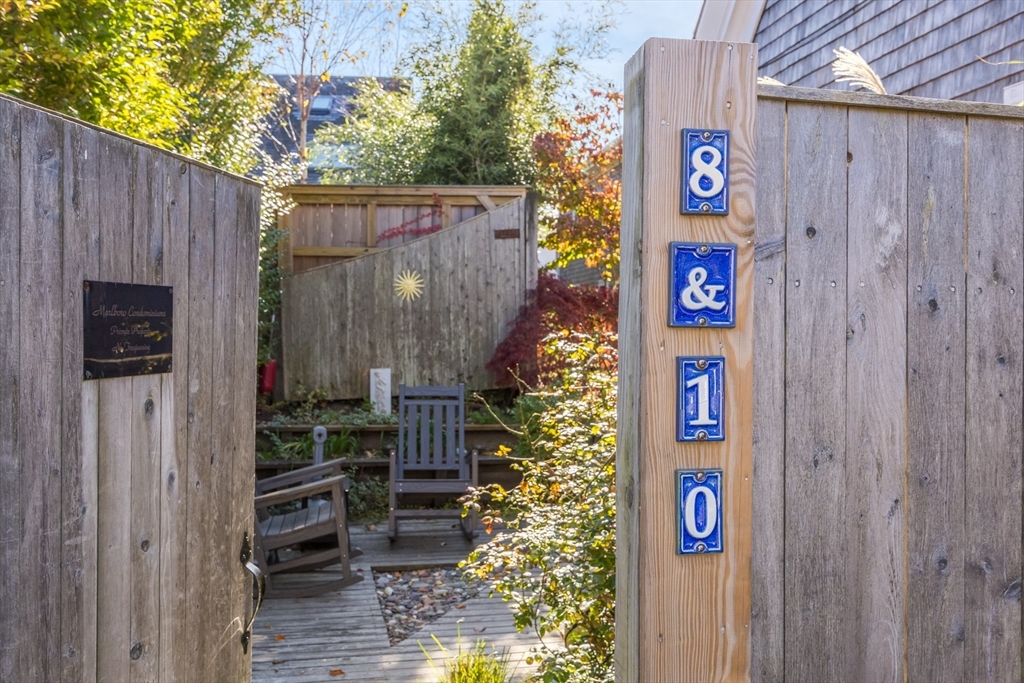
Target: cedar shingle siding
(928, 48)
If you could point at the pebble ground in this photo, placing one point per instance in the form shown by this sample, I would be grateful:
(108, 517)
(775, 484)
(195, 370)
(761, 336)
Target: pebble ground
(413, 598)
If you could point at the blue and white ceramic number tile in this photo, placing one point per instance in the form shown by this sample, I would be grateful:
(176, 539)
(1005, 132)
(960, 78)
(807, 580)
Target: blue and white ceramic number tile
(705, 178)
(701, 398)
(702, 283)
(700, 511)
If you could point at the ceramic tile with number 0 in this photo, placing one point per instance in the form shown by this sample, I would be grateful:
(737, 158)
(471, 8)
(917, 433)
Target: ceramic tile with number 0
(699, 514)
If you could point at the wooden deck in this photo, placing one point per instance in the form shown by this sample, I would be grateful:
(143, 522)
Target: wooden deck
(299, 640)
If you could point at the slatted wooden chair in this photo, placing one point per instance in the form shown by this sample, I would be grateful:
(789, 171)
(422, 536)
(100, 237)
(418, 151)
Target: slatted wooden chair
(431, 457)
(316, 521)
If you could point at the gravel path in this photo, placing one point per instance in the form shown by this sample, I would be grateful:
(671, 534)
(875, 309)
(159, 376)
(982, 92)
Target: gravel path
(411, 599)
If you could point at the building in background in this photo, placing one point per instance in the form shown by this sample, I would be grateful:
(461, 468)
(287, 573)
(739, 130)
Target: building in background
(331, 105)
(924, 48)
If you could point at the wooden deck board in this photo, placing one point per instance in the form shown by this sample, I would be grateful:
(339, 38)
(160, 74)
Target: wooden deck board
(345, 629)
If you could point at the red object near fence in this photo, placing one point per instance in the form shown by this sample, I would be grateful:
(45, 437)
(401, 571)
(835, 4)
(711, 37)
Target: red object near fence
(268, 373)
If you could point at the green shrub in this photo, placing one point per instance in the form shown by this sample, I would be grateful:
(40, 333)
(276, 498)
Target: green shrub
(556, 563)
(315, 409)
(367, 498)
(340, 445)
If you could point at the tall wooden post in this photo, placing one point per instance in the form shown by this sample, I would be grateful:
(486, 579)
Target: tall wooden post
(684, 617)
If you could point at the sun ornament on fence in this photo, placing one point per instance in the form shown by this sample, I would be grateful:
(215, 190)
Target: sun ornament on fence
(408, 285)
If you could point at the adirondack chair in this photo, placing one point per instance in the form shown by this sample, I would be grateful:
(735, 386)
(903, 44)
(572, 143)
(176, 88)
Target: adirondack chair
(316, 522)
(431, 455)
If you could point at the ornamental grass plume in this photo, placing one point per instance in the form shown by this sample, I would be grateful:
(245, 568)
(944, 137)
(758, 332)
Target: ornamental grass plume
(471, 666)
(850, 67)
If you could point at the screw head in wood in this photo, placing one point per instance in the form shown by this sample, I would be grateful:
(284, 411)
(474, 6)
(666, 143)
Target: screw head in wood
(705, 207)
(706, 136)
(702, 320)
(701, 548)
(701, 364)
(703, 250)
(700, 476)
(702, 435)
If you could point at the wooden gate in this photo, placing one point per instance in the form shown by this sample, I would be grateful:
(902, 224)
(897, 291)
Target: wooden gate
(889, 282)
(888, 385)
(123, 502)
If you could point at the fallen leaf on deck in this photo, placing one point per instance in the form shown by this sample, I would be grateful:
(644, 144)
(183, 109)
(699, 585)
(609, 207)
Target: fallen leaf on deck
(279, 637)
(337, 672)
(480, 630)
(460, 607)
(278, 661)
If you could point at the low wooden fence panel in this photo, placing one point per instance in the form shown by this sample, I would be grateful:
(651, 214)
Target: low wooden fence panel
(342, 319)
(888, 414)
(331, 223)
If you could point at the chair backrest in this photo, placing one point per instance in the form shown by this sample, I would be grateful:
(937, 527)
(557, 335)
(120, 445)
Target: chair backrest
(431, 429)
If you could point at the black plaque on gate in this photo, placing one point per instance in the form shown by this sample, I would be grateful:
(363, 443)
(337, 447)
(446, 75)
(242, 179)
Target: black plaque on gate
(127, 329)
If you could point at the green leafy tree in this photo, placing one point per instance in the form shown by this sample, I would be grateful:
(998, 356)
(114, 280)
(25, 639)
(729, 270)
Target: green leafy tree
(272, 205)
(384, 141)
(180, 74)
(555, 563)
(226, 95)
(321, 37)
(93, 59)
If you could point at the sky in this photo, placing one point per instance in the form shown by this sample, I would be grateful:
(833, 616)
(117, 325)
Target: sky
(635, 22)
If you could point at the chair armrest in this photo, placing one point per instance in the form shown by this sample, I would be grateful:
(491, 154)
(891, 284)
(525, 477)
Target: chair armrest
(301, 474)
(296, 492)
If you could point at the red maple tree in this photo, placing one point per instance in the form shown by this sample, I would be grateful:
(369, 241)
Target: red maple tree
(579, 163)
(554, 307)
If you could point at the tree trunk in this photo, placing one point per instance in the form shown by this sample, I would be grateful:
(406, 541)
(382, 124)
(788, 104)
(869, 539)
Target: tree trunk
(300, 91)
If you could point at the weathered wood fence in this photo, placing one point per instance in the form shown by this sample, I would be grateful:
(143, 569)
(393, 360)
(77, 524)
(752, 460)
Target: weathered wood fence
(332, 223)
(889, 282)
(341, 320)
(122, 501)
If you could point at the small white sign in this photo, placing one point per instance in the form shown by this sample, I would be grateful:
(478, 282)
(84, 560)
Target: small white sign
(380, 390)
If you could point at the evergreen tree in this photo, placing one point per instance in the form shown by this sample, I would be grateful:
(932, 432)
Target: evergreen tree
(487, 120)
(483, 94)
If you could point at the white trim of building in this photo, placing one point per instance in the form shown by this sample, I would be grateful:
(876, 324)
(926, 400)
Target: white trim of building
(730, 20)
